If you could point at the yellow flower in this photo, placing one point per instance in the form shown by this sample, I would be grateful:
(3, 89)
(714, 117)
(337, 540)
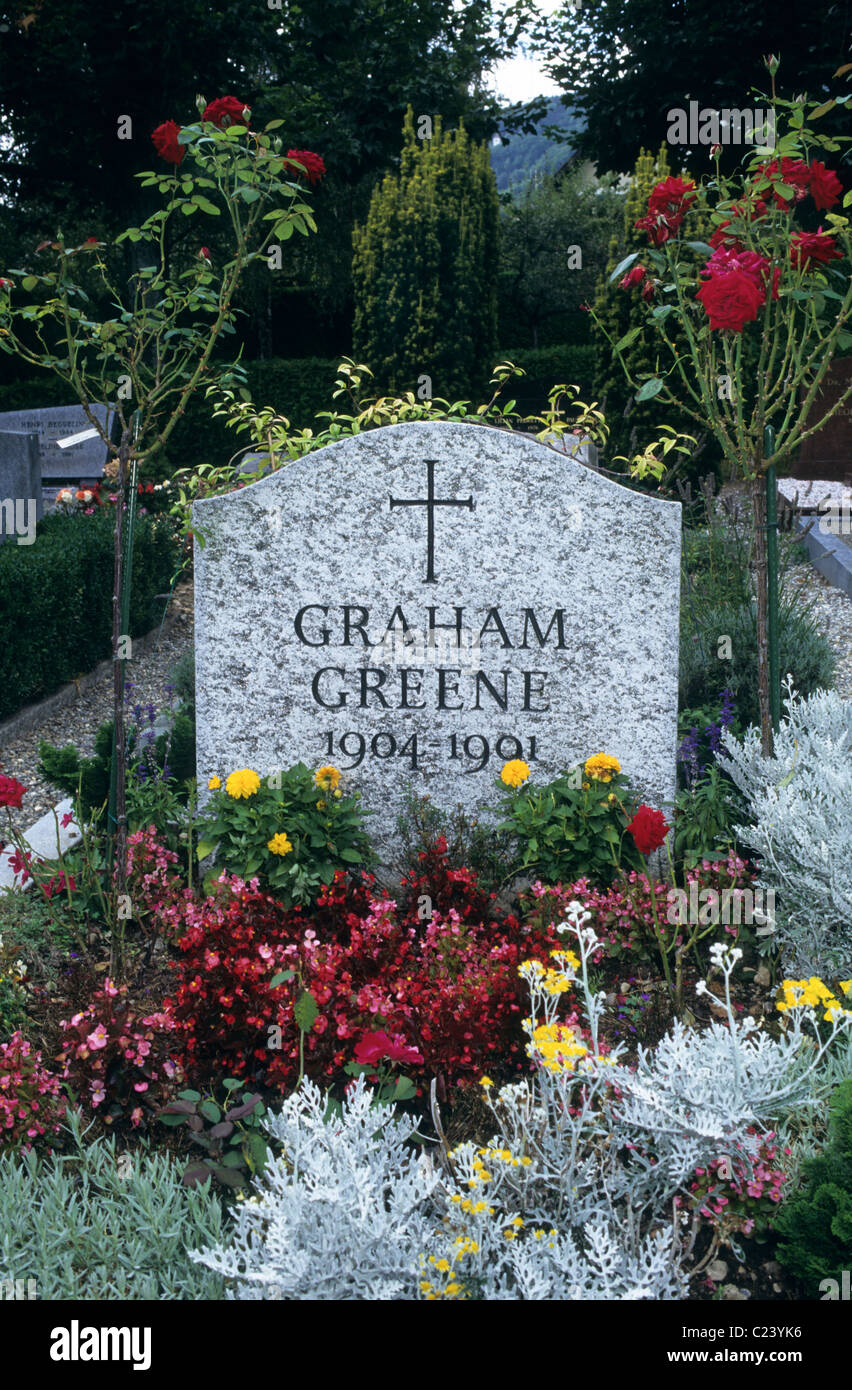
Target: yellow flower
(279, 844)
(321, 805)
(338, 793)
(555, 1046)
(327, 777)
(846, 985)
(214, 784)
(486, 1081)
(242, 783)
(602, 766)
(515, 772)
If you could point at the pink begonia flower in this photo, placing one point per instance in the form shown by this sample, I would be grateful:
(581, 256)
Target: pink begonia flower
(99, 1038)
(67, 819)
(136, 1116)
(141, 1086)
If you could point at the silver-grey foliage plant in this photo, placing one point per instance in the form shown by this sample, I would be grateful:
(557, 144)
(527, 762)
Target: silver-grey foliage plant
(96, 1224)
(573, 1198)
(800, 808)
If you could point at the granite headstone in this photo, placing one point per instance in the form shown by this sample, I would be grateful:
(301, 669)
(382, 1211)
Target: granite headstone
(424, 602)
(51, 423)
(20, 486)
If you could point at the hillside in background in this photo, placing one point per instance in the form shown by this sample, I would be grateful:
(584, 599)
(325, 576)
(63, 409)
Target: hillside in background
(528, 155)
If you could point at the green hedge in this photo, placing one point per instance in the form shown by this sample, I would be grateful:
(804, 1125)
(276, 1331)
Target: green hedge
(545, 366)
(56, 599)
(301, 387)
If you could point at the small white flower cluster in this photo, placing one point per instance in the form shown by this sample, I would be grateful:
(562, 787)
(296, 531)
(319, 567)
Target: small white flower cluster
(573, 1196)
(800, 809)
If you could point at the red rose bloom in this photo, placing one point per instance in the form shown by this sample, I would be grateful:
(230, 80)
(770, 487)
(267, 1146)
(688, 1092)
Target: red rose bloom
(813, 248)
(648, 290)
(225, 111)
(671, 198)
(660, 229)
(314, 165)
(825, 186)
(649, 829)
(165, 142)
(633, 277)
(11, 792)
(727, 259)
(722, 238)
(792, 171)
(731, 300)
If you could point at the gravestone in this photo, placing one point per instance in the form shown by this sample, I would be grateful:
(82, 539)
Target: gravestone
(51, 423)
(20, 486)
(425, 602)
(827, 454)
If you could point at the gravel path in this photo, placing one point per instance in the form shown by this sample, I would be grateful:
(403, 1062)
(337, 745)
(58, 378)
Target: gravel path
(151, 673)
(78, 722)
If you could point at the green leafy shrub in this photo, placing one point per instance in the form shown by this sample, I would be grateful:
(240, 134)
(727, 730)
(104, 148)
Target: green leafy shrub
(574, 827)
(292, 830)
(95, 1224)
(816, 1225)
(424, 266)
(230, 1131)
(56, 599)
(803, 652)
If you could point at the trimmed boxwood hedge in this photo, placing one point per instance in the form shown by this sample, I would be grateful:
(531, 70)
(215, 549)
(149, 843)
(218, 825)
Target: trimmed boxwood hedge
(301, 387)
(56, 599)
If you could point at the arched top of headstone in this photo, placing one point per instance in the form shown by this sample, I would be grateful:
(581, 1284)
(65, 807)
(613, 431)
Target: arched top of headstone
(544, 597)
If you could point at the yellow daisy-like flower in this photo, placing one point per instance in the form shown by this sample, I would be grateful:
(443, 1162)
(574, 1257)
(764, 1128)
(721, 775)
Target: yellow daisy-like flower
(279, 844)
(321, 805)
(846, 985)
(601, 766)
(214, 784)
(486, 1081)
(327, 777)
(515, 772)
(243, 783)
(556, 1047)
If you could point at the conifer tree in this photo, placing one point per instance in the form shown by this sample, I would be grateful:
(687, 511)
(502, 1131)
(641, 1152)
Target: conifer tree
(425, 268)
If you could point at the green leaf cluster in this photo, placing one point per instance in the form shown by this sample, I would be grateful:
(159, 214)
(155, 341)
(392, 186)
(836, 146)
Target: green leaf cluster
(573, 827)
(326, 833)
(816, 1225)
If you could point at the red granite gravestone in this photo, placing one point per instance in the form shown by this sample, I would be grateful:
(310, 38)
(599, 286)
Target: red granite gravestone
(828, 453)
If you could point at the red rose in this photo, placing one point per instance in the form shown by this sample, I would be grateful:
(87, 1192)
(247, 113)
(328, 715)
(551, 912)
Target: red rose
(11, 792)
(731, 300)
(793, 172)
(314, 165)
(825, 186)
(660, 229)
(165, 142)
(225, 111)
(671, 198)
(648, 290)
(813, 248)
(649, 829)
(727, 259)
(633, 277)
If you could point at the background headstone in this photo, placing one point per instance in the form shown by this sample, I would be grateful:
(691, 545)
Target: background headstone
(54, 422)
(20, 480)
(828, 453)
(566, 582)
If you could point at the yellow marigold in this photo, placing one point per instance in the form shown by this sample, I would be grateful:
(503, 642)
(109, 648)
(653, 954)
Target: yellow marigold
(279, 844)
(242, 783)
(214, 784)
(515, 772)
(602, 766)
(327, 777)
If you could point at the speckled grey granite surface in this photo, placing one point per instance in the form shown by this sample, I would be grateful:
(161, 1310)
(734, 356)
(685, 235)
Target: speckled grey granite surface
(568, 582)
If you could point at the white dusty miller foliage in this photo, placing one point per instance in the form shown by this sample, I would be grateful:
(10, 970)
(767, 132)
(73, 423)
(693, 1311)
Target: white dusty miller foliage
(571, 1199)
(339, 1214)
(800, 805)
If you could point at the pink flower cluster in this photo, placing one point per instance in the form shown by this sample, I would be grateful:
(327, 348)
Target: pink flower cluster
(112, 1055)
(740, 1192)
(31, 1101)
